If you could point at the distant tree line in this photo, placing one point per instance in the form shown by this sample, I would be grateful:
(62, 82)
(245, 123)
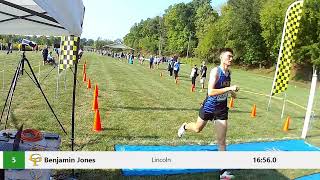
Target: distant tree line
(253, 28)
(51, 40)
(40, 40)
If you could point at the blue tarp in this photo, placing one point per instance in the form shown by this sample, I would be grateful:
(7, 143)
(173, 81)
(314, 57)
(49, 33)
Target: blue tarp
(310, 177)
(282, 145)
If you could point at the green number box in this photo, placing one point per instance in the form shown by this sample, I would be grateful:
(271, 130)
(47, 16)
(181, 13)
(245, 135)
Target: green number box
(13, 160)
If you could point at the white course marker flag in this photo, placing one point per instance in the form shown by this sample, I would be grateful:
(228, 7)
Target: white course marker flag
(289, 36)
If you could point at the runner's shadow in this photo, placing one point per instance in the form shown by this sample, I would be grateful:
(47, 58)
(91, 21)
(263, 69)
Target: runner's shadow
(241, 98)
(238, 111)
(120, 90)
(313, 135)
(183, 76)
(127, 91)
(302, 117)
(128, 137)
(184, 79)
(154, 108)
(88, 143)
(261, 174)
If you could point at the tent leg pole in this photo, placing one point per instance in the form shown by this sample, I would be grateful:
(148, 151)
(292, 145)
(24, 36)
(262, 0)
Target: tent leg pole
(73, 103)
(57, 90)
(4, 67)
(74, 100)
(39, 69)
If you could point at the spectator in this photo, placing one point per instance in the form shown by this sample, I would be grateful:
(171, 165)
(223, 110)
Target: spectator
(9, 47)
(131, 57)
(170, 66)
(151, 62)
(203, 75)
(45, 53)
(176, 69)
(157, 62)
(50, 59)
(141, 59)
(80, 53)
(193, 76)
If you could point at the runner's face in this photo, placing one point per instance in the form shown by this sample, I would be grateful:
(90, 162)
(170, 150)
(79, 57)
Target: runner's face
(226, 58)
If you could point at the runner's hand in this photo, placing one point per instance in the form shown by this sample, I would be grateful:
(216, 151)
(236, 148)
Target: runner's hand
(234, 88)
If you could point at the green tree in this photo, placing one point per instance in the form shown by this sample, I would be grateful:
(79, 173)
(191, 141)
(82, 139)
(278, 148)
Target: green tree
(83, 41)
(99, 43)
(205, 16)
(216, 37)
(244, 36)
(90, 42)
(179, 25)
(272, 17)
(307, 50)
(145, 36)
(42, 40)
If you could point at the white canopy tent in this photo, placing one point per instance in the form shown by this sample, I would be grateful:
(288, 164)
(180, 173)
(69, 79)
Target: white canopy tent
(28, 43)
(41, 17)
(118, 46)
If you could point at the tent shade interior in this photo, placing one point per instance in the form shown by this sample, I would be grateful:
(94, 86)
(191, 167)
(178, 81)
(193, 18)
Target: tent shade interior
(43, 17)
(38, 17)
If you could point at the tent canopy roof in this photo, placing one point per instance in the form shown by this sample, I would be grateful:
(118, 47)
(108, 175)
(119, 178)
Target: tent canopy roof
(118, 46)
(39, 17)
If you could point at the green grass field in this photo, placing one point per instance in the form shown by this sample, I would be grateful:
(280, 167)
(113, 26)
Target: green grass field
(138, 107)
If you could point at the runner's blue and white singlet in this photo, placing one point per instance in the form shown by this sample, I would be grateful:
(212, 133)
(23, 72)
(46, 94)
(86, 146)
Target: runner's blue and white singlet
(218, 102)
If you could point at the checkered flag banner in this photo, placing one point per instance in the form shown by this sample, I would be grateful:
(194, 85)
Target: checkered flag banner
(69, 50)
(289, 36)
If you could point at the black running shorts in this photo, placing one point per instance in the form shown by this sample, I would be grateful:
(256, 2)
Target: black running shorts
(218, 114)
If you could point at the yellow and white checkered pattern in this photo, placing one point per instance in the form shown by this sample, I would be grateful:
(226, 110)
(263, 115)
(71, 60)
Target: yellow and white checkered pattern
(293, 17)
(69, 50)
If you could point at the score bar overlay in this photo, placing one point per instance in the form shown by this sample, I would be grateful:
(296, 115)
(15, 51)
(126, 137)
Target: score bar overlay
(159, 160)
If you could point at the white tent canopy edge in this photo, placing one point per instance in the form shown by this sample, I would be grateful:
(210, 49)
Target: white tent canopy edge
(41, 17)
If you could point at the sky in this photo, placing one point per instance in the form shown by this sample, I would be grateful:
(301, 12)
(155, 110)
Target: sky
(112, 19)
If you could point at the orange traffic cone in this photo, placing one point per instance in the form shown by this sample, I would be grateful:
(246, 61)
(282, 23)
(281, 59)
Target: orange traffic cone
(95, 103)
(286, 124)
(193, 88)
(97, 121)
(231, 103)
(96, 93)
(177, 81)
(254, 111)
(89, 84)
(84, 77)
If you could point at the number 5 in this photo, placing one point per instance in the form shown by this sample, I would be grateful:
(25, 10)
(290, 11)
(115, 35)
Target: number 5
(14, 160)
